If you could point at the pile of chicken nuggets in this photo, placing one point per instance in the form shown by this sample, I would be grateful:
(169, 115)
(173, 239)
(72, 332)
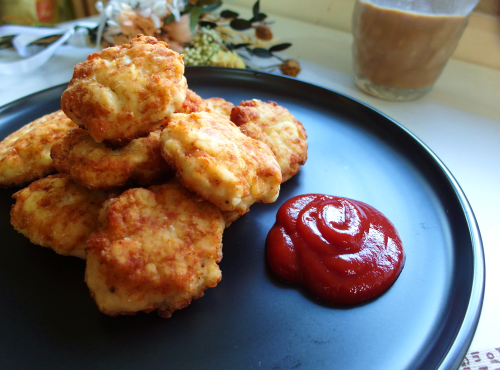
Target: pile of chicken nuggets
(139, 176)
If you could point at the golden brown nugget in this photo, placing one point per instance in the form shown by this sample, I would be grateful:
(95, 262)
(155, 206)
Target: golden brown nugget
(99, 167)
(25, 154)
(119, 93)
(157, 249)
(215, 160)
(56, 213)
(193, 103)
(277, 127)
(220, 106)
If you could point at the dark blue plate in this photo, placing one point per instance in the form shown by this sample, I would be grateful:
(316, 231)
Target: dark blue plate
(252, 320)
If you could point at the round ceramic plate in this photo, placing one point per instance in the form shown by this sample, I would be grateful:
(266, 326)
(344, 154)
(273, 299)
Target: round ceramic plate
(251, 320)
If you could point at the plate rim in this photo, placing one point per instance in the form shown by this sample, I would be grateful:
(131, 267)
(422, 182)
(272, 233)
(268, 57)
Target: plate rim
(463, 338)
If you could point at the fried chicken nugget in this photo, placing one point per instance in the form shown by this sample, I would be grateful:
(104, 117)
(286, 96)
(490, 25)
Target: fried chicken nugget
(277, 127)
(220, 106)
(56, 213)
(195, 103)
(219, 163)
(25, 154)
(158, 249)
(120, 92)
(98, 167)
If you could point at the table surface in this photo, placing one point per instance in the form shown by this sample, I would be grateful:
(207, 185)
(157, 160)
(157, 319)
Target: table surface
(459, 120)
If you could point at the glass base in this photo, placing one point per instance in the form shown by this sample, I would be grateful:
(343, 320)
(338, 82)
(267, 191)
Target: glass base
(389, 93)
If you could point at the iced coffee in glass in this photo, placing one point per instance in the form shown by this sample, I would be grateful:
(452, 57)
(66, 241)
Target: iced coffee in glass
(401, 47)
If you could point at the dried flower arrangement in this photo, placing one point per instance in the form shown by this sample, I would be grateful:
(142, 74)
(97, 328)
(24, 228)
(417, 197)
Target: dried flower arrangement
(195, 28)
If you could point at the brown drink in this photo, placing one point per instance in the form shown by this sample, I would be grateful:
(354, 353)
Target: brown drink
(398, 55)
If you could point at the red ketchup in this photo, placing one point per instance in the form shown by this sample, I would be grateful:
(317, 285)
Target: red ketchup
(344, 251)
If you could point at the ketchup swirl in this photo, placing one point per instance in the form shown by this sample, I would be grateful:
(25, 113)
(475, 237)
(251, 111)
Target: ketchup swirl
(344, 251)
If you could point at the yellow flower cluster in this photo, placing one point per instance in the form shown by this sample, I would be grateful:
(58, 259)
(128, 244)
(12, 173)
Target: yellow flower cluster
(227, 59)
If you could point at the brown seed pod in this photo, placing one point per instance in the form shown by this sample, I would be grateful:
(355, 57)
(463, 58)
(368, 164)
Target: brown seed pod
(290, 67)
(263, 32)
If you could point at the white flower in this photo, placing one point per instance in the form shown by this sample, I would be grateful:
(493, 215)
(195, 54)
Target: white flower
(112, 23)
(124, 6)
(113, 28)
(156, 20)
(146, 12)
(99, 6)
(160, 8)
(108, 11)
(154, 10)
(144, 8)
(176, 8)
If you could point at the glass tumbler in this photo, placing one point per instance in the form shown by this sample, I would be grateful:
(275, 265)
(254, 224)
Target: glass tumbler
(401, 46)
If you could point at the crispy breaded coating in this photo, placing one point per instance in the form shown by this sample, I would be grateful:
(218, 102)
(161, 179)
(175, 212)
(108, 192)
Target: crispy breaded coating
(277, 127)
(25, 154)
(215, 160)
(98, 167)
(193, 103)
(157, 249)
(220, 106)
(120, 92)
(56, 213)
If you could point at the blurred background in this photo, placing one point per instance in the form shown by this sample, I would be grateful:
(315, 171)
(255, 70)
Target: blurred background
(480, 43)
(50, 12)
(45, 12)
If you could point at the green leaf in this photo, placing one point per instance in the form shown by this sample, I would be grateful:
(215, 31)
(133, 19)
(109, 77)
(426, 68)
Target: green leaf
(232, 46)
(195, 15)
(262, 53)
(279, 47)
(169, 18)
(187, 9)
(260, 18)
(212, 7)
(207, 24)
(256, 9)
(240, 24)
(240, 46)
(229, 14)
(206, 2)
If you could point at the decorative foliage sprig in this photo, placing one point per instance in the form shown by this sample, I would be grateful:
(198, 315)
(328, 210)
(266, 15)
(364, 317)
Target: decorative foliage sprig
(195, 28)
